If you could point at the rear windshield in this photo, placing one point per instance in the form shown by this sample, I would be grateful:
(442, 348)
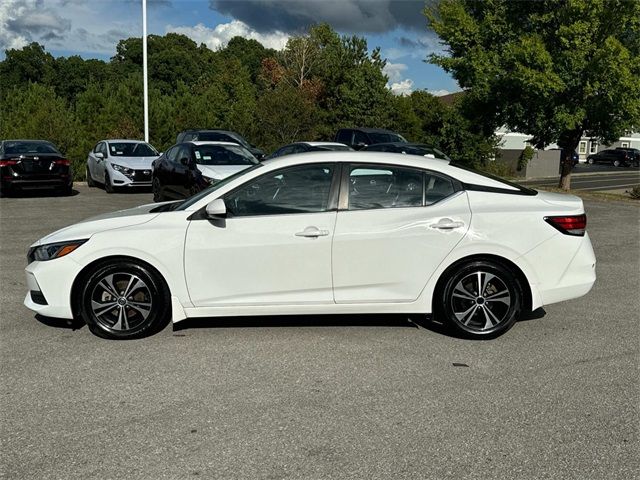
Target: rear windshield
(386, 138)
(333, 148)
(131, 149)
(223, 155)
(15, 148)
(520, 189)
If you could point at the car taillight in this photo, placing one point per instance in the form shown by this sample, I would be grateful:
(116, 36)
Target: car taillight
(62, 161)
(6, 163)
(569, 225)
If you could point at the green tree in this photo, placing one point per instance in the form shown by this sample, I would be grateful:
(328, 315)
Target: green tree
(553, 69)
(28, 64)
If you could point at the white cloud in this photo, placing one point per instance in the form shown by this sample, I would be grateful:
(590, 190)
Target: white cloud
(219, 36)
(404, 87)
(22, 21)
(440, 93)
(394, 71)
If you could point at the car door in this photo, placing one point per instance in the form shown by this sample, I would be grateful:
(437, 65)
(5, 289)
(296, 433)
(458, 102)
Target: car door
(174, 173)
(394, 228)
(92, 162)
(274, 247)
(101, 163)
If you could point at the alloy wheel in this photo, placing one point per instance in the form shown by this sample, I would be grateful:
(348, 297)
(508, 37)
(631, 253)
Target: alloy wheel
(481, 301)
(121, 301)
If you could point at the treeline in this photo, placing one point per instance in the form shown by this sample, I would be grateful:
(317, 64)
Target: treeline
(318, 83)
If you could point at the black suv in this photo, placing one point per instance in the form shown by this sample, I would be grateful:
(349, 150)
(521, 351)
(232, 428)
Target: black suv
(31, 165)
(358, 138)
(203, 135)
(407, 148)
(617, 158)
(634, 152)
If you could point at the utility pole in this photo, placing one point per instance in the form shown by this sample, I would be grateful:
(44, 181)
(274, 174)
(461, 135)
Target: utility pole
(144, 71)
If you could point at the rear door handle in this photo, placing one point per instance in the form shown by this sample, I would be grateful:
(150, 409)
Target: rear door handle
(312, 232)
(447, 224)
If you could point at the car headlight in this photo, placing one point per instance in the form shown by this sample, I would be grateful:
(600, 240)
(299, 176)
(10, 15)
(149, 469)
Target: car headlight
(121, 169)
(52, 250)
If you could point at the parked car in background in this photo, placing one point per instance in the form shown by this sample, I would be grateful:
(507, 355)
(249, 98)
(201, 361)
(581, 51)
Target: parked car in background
(635, 154)
(358, 138)
(333, 233)
(189, 167)
(204, 135)
(617, 158)
(407, 148)
(302, 147)
(120, 163)
(33, 165)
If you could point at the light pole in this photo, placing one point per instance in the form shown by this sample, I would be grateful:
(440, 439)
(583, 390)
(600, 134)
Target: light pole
(144, 71)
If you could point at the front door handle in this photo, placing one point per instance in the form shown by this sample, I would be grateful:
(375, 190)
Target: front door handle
(312, 232)
(447, 224)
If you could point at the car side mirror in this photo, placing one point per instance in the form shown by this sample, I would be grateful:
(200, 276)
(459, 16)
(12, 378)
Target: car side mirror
(216, 209)
(99, 155)
(184, 161)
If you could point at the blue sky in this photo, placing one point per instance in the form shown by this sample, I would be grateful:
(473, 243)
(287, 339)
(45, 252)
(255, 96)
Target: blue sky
(92, 28)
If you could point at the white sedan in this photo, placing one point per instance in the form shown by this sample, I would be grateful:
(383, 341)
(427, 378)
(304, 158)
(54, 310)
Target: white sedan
(321, 233)
(120, 163)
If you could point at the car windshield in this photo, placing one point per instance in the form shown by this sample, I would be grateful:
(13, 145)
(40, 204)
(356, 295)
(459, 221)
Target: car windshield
(223, 155)
(386, 138)
(200, 195)
(131, 149)
(13, 148)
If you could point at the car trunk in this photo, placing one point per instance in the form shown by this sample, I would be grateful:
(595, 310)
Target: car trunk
(38, 166)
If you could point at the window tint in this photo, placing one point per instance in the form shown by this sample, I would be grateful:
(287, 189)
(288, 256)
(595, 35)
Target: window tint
(359, 137)
(102, 148)
(223, 155)
(172, 154)
(132, 149)
(302, 189)
(373, 186)
(96, 149)
(437, 188)
(22, 147)
(344, 136)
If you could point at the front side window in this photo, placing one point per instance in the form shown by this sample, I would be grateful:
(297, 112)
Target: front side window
(373, 186)
(301, 189)
(103, 149)
(223, 155)
(172, 154)
(344, 136)
(360, 138)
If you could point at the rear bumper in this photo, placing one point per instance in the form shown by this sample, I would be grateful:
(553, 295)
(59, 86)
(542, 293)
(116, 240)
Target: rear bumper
(36, 184)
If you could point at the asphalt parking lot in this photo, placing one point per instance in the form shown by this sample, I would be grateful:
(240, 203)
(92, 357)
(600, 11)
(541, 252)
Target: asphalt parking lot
(558, 396)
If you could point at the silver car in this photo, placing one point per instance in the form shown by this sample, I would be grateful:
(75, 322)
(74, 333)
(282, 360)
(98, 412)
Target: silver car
(120, 163)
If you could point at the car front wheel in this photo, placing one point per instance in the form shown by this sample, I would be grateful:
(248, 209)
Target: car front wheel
(481, 299)
(123, 299)
(157, 190)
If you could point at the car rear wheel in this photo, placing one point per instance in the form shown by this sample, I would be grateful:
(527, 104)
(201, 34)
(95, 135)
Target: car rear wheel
(123, 300)
(108, 187)
(590, 161)
(90, 182)
(481, 299)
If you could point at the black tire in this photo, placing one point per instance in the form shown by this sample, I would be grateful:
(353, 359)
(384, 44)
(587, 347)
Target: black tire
(67, 191)
(107, 184)
(590, 161)
(480, 314)
(90, 182)
(112, 312)
(617, 163)
(157, 190)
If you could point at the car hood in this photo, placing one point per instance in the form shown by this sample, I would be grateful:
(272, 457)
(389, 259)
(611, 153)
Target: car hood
(108, 221)
(137, 163)
(220, 171)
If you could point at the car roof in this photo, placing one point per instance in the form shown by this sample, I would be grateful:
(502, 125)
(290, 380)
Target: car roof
(212, 142)
(320, 144)
(371, 130)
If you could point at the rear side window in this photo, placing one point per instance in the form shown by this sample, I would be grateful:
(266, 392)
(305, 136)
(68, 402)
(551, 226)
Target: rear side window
(437, 188)
(520, 190)
(375, 186)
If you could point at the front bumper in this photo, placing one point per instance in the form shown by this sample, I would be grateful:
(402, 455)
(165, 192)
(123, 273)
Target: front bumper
(140, 178)
(49, 286)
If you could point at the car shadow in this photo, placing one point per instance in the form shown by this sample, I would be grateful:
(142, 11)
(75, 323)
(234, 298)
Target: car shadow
(534, 315)
(40, 194)
(63, 323)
